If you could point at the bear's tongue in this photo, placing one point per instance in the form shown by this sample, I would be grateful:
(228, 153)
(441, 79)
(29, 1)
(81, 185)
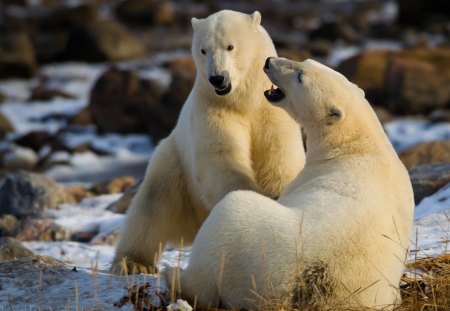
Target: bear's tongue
(274, 94)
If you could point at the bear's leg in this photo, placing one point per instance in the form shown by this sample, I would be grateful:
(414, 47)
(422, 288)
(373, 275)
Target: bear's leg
(160, 213)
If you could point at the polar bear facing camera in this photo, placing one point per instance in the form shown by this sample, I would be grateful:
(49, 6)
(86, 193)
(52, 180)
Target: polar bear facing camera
(228, 137)
(337, 237)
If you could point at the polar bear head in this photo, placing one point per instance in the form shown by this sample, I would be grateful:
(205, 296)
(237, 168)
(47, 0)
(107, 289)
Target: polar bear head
(310, 92)
(226, 46)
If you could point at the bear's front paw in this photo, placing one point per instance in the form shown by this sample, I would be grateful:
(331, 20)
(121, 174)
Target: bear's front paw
(125, 267)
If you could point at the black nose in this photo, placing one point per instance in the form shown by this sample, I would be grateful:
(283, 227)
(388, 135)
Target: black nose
(216, 80)
(267, 64)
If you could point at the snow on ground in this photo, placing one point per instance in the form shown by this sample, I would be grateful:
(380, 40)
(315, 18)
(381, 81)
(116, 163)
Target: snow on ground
(405, 133)
(91, 215)
(38, 285)
(431, 233)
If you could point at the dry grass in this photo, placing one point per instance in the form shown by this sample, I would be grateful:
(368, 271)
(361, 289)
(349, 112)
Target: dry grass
(428, 287)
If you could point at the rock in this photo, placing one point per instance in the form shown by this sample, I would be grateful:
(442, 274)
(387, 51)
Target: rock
(295, 54)
(34, 140)
(440, 115)
(17, 58)
(10, 248)
(68, 17)
(5, 126)
(367, 70)
(8, 225)
(122, 204)
(183, 77)
(77, 194)
(100, 41)
(111, 238)
(42, 92)
(84, 236)
(41, 229)
(2, 97)
(29, 194)
(418, 12)
(332, 31)
(19, 158)
(383, 114)
(320, 47)
(407, 82)
(426, 153)
(83, 118)
(416, 82)
(117, 185)
(122, 102)
(428, 179)
(146, 12)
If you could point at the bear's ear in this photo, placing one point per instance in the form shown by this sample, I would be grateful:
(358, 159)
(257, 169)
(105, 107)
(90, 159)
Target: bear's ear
(256, 18)
(195, 22)
(359, 90)
(335, 114)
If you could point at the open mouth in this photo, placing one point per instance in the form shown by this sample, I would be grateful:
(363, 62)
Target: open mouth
(224, 90)
(274, 94)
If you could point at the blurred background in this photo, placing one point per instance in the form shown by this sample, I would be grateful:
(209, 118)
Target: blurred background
(87, 88)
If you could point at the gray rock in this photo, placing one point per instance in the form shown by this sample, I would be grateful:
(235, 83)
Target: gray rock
(10, 248)
(121, 205)
(41, 229)
(29, 194)
(428, 179)
(8, 224)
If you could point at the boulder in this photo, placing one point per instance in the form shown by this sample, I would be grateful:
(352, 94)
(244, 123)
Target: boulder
(183, 77)
(146, 12)
(121, 205)
(41, 229)
(367, 70)
(28, 194)
(34, 139)
(334, 30)
(19, 158)
(428, 179)
(17, 58)
(417, 82)
(8, 224)
(100, 41)
(41, 93)
(83, 118)
(10, 248)
(117, 185)
(418, 12)
(413, 81)
(76, 194)
(122, 102)
(5, 126)
(426, 153)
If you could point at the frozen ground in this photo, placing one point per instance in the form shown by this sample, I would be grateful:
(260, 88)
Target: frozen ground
(26, 286)
(60, 287)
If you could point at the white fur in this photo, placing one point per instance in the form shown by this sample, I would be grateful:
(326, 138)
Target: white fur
(338, 236)
(220, 143)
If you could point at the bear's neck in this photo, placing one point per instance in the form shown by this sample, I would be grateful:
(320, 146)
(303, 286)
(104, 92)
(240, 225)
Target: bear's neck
(345, 139)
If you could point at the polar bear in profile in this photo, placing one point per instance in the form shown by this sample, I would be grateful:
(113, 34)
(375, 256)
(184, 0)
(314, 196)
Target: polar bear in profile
(228, 137)
(337, 238)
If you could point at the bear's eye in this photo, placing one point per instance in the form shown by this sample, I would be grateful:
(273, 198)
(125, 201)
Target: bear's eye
(203, 51)
(300, 75)
(230, 47)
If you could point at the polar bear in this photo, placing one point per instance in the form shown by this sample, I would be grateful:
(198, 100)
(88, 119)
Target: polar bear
(227, 137)
(337, 237)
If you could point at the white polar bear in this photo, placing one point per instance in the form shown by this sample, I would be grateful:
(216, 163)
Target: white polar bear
(338, 236)
(228, 137)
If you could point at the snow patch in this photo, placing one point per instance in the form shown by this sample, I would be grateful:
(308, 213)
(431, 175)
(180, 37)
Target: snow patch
(406, 133)
(432, 225)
